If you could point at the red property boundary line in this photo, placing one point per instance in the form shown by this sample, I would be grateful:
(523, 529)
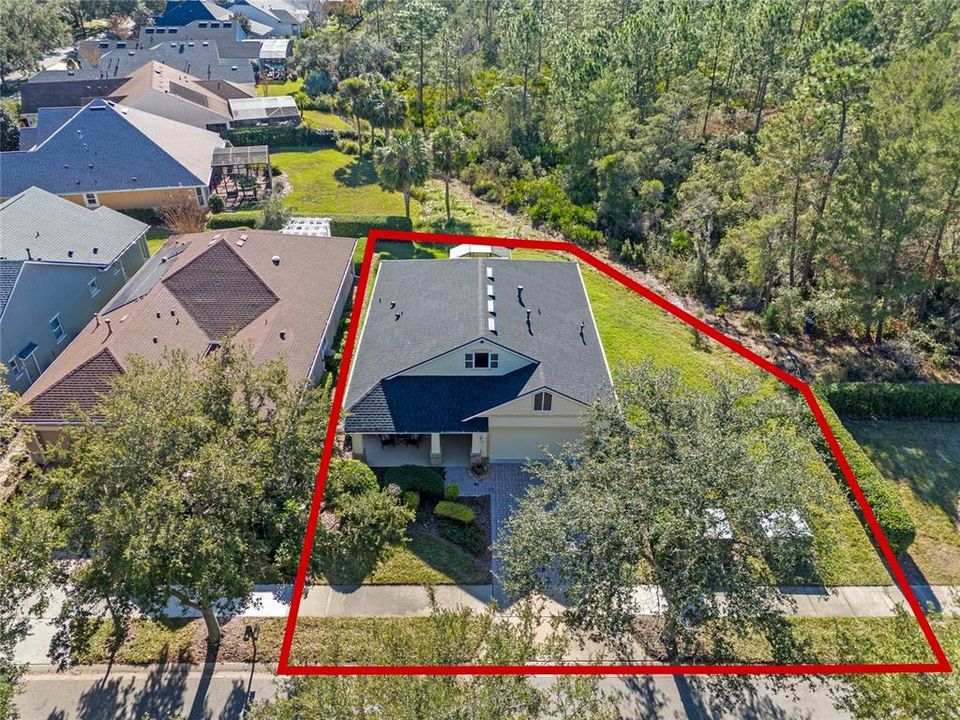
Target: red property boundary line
(284, 667)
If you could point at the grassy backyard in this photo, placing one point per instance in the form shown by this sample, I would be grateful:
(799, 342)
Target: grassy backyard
(923, 459)
(289, 87)
(156, 237)
(325, 121)
(328, 182)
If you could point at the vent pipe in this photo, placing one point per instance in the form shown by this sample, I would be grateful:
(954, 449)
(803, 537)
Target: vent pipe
(109, 326)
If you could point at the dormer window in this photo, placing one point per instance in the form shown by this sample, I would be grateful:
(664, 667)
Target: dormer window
(481, 360)
(542, 402)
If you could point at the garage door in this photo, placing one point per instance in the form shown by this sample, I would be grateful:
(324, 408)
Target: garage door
(524, 443)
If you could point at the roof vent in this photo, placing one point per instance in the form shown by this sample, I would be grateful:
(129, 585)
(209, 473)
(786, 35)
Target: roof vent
(520, 294)
(69, 253)
(283, 334)
(490, 274)
(155, 339)
(490, 291)
(491, 306)
(243, 236)
(492, 324)
(275, 259)
(96, 250)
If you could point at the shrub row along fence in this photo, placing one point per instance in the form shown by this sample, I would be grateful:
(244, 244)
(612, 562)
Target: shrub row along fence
(892, 516)
(281, 136)
(931, 401)
(340, 226)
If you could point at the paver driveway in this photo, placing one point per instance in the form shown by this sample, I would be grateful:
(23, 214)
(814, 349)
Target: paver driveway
(504, 483)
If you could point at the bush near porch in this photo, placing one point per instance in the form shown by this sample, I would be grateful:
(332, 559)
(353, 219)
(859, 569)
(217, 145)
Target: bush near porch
(423, 480)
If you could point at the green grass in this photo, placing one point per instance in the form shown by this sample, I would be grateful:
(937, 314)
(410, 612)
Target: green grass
(289, 87)
(156, 237)
(923, 459)
(325, 121)
(148, 641)
(423, 559)
(328, 182)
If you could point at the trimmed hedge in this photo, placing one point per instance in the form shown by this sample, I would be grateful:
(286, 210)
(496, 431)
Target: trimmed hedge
(359, 226)
(350, 477)
(454, 511)
(414, 477)
(241, 218)
(411, 500)
(469, 537)
(882, 495)
(145, 215)
(895, 400)
(279, 136)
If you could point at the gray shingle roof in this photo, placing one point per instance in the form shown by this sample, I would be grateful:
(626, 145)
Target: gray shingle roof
(107, 147)
(201, 59)
(444, 306)
(9, 271)
(57, 230)
(181, 12)
(66, 88)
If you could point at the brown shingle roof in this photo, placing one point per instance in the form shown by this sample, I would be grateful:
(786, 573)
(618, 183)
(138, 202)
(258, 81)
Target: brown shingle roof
(212, 284)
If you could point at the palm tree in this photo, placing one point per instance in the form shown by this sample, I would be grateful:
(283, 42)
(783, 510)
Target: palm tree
(391, 107)
(404, 163)
(448, 157)
(353, 94)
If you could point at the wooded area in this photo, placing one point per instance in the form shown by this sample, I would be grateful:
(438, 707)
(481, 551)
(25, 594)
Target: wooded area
(793, 158)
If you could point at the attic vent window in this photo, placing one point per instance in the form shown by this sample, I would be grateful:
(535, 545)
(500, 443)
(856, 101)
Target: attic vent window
(481, 360)
(542, 402)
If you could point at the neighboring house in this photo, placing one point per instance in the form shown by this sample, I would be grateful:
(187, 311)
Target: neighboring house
(169, 93)
(473, 360)
(281, 17)
(161, 90)
(108, 154)
(282, 296)
(183, 12)
(274, 54)
(64, 88)
(59, 264)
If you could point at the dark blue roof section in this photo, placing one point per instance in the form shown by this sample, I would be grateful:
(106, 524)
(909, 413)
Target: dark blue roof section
(97, 150)
(434, 403)
(147, 276)
(178, 13)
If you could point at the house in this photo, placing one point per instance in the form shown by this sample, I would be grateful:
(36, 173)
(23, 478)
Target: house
(473, 360)
(177, 13)
(170, 93)
(283, 18)
(161, 90)
(120, 157)
(59, 265)
(282, 296)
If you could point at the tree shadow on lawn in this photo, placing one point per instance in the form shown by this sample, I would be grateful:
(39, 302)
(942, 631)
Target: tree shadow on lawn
(358, 173)
(454, 226)
(399, 250)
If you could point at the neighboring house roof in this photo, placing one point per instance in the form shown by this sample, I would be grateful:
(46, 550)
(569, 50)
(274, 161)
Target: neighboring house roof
(188, 295)
(181, 12)
(281, 11)
(264, 108)
(65, 88)
(202, 59)
(37, 225)
(106, 147)
(184, 88)
(49, 120)
(443, 305)
(259, 29)
(9, 272)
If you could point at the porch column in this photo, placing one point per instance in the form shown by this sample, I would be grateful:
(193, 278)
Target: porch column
(435, 458)
(357, 441)
(478, 447)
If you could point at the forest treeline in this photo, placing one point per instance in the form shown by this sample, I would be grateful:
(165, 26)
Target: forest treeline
(795, 158)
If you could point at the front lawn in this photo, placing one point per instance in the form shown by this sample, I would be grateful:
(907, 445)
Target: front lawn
(328, 182)
(423, 559)
(923, 458)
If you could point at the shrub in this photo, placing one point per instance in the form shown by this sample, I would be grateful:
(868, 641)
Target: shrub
(185, 218)
(879, 400)
(317, 82)
(454, 511)
(411, 500)
(346, 226)
(241, 218)
(216, 204)
(452, 492)
(348, 147)
(414, 477)
(349, 477)
(273, 213)
(144, 215)
(880, 493)
(470, 537)
(276, 136)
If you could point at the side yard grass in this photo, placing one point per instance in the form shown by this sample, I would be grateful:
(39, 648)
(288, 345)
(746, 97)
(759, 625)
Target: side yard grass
(156, 237)
(923, 458)
(325, 121)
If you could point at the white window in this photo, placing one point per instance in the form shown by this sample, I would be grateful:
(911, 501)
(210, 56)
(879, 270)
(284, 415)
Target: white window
(57, 328)
(117, 267)
(201, 201)
(91, 199)
(94, 287)
(481, 360)
(16, 370)
(542, 402)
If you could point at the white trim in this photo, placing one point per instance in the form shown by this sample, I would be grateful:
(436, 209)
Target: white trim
(363, 329)
(603, 352)
(547, 388)
(13, 367)
(86, 200)
(63, 333)
(95, 289)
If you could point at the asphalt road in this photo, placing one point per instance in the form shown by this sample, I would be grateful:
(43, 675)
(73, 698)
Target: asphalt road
(225, 693)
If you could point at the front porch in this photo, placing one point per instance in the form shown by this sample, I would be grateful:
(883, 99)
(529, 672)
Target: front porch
(391, 450)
